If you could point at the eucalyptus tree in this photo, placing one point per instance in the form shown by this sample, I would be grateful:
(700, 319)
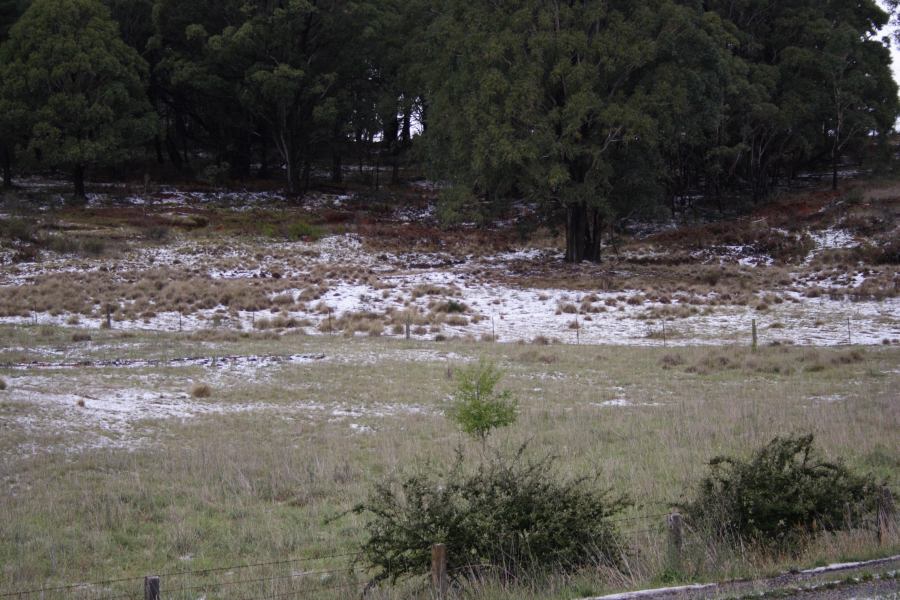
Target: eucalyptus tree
(81, 87)
(563, 101)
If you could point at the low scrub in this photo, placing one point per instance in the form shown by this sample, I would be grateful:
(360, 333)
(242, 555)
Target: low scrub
(781, 496)
(512, 513)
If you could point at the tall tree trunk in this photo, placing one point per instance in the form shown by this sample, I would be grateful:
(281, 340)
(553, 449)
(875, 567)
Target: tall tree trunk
(406, 135)
(307, 173)
(157, 145)
(584, 228)
(263, 172)
(377, 171)
(173, 152)
(575, 232)
(7, 167)
(293, 176)
(337, 167)
(78, 180)
(834, 171)
(239, 159)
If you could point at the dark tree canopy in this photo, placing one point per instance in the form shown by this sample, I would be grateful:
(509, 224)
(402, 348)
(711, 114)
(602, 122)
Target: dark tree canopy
(78, 86)
(595, 110)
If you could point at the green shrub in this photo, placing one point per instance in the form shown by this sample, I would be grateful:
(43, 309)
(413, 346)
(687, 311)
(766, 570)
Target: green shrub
(93, 247)
(784, 493)
(157, 233)
(477, 408)
(22, 230)
(512, 513)
(298, 230)
(457, 205)
(62, 244)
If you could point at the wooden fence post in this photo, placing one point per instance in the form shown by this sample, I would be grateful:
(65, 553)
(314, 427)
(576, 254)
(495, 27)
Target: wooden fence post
(849, 336)
(665, 342)
(109, 316)
(408, 323)
(439, 579)
(676, 541)
(755, 339)
(885, 515)
(151, 587)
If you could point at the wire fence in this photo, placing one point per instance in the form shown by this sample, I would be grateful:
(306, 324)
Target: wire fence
(342, 575)
(301, 577)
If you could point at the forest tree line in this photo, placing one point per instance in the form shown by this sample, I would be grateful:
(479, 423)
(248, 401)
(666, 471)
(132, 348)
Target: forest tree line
(595, 109)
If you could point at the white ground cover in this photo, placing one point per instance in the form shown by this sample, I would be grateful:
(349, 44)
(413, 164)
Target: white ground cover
(507, 312)
(104, 413)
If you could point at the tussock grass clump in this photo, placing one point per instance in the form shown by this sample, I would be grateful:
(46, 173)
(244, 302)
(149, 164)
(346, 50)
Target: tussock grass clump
(81, 337)
(428, 289)
(2, 384)
(671, 360)
(777, 359)
(201, 390)
(534, 356)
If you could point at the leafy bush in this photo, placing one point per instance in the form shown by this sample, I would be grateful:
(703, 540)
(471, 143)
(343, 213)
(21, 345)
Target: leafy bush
(298, 230)
(512, 513)
(779, 496)
(477, 408)
(157, 233)
(22, 230)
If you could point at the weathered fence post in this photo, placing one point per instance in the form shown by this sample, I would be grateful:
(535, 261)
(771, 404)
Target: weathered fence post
(755, 338)
(408, 323)
(849, 337)
(439, 580)
(676, 541)
(885, 515)
(493, 330)
(664, 333)
(109, 316)
(151, 587)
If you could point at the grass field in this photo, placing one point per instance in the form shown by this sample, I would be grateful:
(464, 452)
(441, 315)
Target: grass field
(117, 471)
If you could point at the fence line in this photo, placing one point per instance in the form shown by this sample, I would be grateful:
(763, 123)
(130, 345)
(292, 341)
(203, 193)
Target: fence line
(675, 536)
(106, 582)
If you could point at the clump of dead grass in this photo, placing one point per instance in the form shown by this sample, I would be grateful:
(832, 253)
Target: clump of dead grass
(201, 390)
(778, 359)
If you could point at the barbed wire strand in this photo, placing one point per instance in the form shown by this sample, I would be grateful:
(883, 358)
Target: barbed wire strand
(173, 574)
(219, 584)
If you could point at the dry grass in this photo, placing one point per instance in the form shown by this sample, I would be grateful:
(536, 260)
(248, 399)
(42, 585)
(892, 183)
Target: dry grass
(201, 390)
(261, 485)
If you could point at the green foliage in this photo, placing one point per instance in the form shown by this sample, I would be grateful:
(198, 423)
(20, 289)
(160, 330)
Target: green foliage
(215, 174)
(10, 11)
(77, 85)
(22, 230)
(784, 493)
(456, 205)
(300, 230)
(598, 110)
(513, 513)
(477, 408)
